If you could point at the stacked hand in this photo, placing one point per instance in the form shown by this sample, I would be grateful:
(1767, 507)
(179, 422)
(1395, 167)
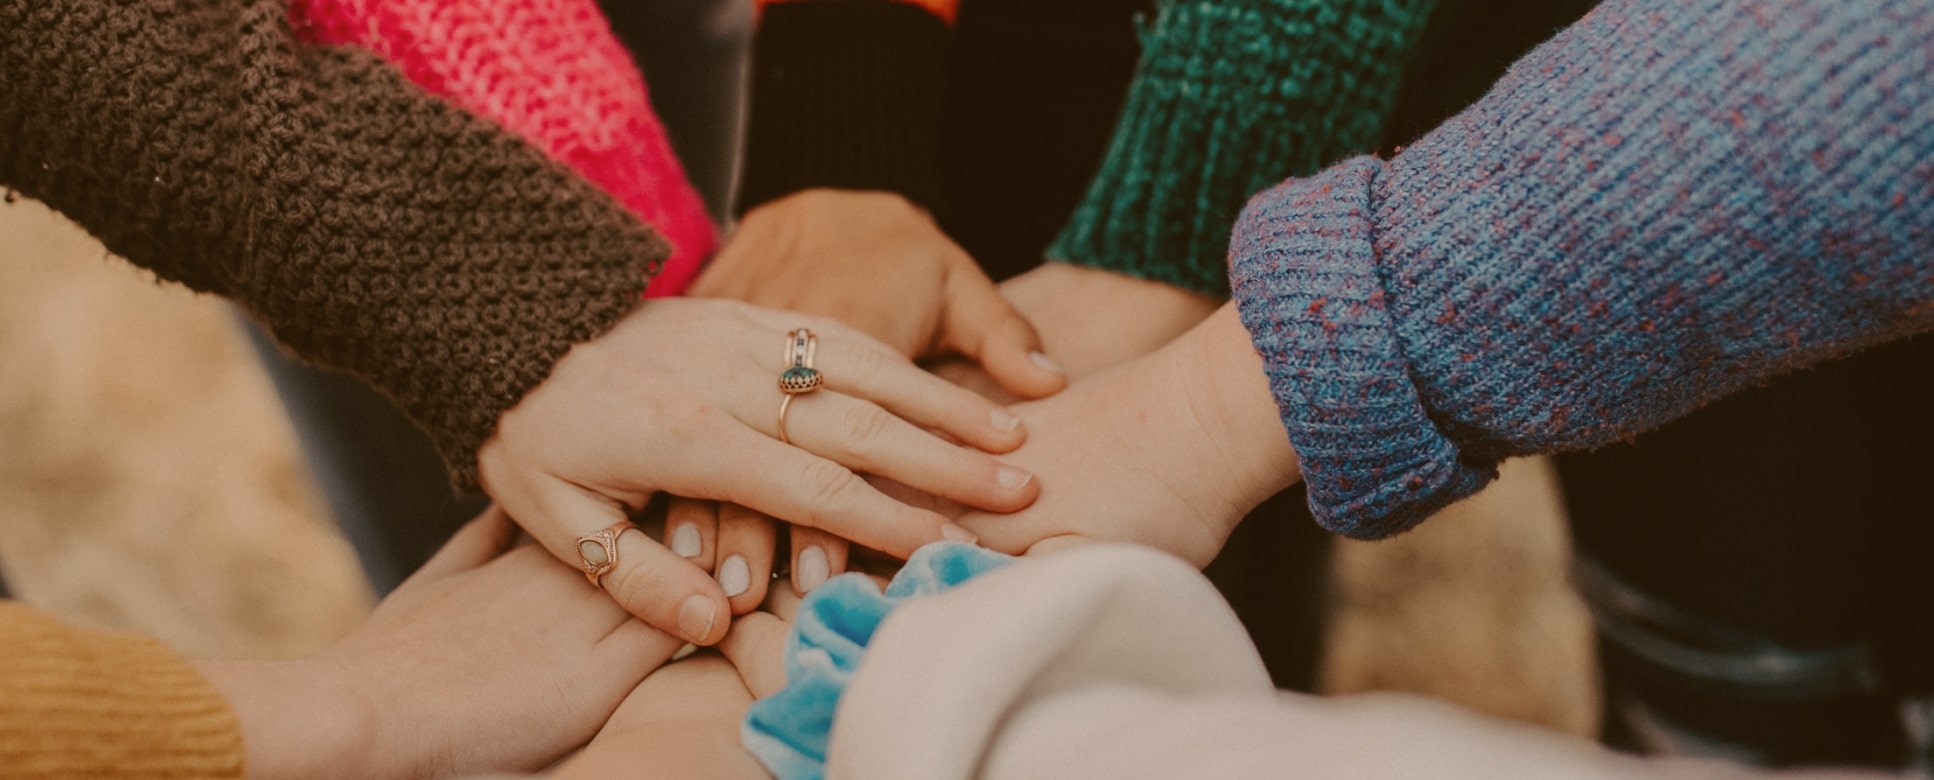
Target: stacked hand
(682, 396)
(1156, 446)
(485, 659)
(1201, 399)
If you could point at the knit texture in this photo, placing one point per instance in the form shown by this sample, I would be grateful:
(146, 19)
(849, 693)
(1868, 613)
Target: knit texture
(1230, 96)
(1668, 202)
(551, 71)
(80, 703)
(372, 227)
(845, 94)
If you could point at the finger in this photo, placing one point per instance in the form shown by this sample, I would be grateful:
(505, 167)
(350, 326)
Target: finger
(799, 487)
(859, 365)
(485, 537)
(980, 324)
(746, 542)
(692, 529)
(782, 602)
(870, 439)
(757, 646)
(816, 556)
(635, 648)
(651, 582)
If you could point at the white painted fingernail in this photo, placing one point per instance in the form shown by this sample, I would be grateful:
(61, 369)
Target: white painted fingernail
(954, 533)
(812, 569)
(1003, 420)
(1045, 362)
(735, 576)
(695, 618)
(685, 541)
(1011, 478)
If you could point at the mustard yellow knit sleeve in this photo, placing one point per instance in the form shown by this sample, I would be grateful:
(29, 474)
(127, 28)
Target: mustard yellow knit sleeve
(81, 703)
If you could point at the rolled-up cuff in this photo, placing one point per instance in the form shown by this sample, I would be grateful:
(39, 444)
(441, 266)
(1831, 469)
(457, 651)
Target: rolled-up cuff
(1303, 268)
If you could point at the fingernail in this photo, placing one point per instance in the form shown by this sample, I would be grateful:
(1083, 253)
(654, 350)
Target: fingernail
(812, 569)
(1045, 362)
(1011, 478)
(1003, 420)
(695, 618)
(954, 533)
(734, 576)
(685, 541)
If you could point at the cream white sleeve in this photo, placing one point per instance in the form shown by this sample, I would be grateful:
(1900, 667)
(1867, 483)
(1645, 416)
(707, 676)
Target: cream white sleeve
(1119, 662)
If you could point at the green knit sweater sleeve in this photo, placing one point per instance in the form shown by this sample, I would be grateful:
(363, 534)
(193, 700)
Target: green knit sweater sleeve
(1231, 96)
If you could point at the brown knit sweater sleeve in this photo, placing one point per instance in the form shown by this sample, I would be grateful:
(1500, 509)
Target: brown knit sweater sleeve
(372, 227)
(81, 703)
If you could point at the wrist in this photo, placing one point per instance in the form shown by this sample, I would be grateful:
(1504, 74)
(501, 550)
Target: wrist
(1091, 319)
(299, 718)
(1224, 383)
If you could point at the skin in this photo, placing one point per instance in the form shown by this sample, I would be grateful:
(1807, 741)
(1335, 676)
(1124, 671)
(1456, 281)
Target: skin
(1169, 450)
(829, 252)
(683, 720)
(1092, 319)
(832, 253)
(681, 397)
(882, 265)
(484, 660)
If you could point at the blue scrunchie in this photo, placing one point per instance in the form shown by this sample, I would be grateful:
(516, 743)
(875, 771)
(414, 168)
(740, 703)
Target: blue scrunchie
(789, 730)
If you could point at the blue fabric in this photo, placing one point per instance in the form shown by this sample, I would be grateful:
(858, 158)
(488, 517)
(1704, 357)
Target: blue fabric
(1670, 201)
(789, 731)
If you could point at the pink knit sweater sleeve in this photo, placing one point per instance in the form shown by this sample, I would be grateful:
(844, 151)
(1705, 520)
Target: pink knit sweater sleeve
(550, 71)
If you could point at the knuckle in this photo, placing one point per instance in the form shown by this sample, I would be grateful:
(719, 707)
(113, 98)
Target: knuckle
(866, 423)
(826, 483)
(865, 365)
(635, 588)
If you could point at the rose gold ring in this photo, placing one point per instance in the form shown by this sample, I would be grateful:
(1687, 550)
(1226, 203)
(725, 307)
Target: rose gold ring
(799, 376)
(784, 405)
(598, 552)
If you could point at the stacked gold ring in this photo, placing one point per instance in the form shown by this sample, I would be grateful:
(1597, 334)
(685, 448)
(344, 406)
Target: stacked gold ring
(799, 376)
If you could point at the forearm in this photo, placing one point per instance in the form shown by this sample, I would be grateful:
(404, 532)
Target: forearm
(374, 228)
(1229, 97)
(846, 94)
(1666, 203)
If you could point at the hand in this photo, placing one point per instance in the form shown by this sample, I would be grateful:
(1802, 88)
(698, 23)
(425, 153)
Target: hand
(1092, 319)
(681, 396)
(478, 662)
(875, 261)
(682, 721)
(757, 644)
(737, 546)
(1169, 451)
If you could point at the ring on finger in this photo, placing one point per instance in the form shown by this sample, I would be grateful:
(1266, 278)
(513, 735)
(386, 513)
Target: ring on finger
(598, 551)
(799, 376)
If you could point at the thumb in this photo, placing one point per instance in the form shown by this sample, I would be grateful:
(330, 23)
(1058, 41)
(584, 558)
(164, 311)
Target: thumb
(984, 327)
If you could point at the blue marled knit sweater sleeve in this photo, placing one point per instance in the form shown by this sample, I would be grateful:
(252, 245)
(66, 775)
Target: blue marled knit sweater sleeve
(1667, 202)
